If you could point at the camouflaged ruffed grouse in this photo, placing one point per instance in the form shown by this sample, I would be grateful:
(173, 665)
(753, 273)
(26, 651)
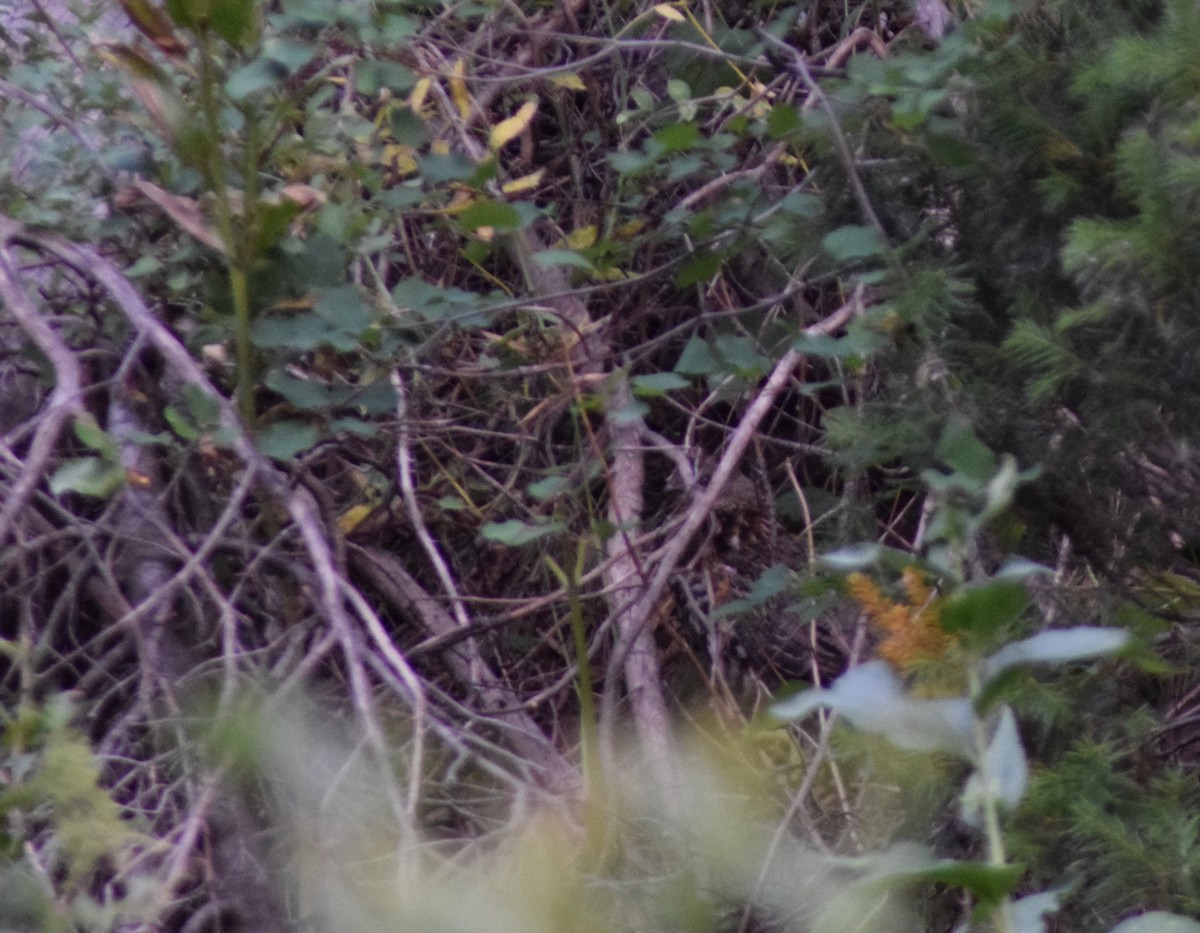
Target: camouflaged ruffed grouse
(751, 641)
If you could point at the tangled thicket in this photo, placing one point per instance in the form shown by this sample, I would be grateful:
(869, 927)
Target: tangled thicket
(398, 401)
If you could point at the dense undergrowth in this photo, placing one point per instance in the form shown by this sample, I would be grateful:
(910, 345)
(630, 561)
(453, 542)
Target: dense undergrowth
(681, 466)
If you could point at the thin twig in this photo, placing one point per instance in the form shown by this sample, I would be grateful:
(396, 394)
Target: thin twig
(408, 493)
(839, 138)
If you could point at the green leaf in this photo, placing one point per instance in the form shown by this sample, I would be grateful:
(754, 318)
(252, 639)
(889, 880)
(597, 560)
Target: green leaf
(1157, 921)
(345, 308)
(784, 119)
(872, 698)
(295, 331)
(697, 359)
(396, 28)
(1058, 646)
(699, 268)
(655, 384)
(88, 476)
(436, 302)
(339, 220)
(1020, 568)
(853, 242)
(857, 343)
(741, 355)
(261, 74)
(273, 223)
(678, 90)
(548, 487)
(515, 533)
(678, 136)
(376, 398)
(95, 437)
(801, 204)
(960, 450)
(1000, 489)
(146, 265)
(235, 21)
(408, 128)
(1029, 912)
(1002, 776)
(438, 169)
(630, 162)
(852, 558)
(373, 75)
(355, 426)
(204, 409)
(548, 258)
(984, 609)
(991, 883)
(632, 411)
(180, 424)
(290, 53)
(489, 213)
(187, 13)
(308, 393)
(284, 439)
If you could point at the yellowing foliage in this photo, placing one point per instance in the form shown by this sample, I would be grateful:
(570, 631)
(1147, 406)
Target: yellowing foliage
(911, 630)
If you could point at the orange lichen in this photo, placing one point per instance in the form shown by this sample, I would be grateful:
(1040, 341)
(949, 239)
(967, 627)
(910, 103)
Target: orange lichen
(912, 631)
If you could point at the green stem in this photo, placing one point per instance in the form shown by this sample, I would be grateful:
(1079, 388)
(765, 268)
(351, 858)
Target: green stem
(583, 678)
(997, 855)
(234, 247)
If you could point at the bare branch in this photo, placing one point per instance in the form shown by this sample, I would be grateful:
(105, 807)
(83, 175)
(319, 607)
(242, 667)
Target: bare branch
(395, 583)
(64, 400)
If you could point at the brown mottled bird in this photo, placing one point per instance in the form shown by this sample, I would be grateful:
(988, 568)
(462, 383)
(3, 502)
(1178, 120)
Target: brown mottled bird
(738, 595)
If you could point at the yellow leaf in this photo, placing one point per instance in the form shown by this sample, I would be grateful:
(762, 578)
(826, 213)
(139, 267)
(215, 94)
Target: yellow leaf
(571, 82)
(401, 158)
(506, 131)
(524, 183)
(353, 517)
(416, 100)
(627, 231)
(581, 238)
(458, 89)
(666, 11)
(460, 202)
(291, 305)
(141, 480)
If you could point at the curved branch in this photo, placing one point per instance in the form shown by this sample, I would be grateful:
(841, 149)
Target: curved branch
(65, 399)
